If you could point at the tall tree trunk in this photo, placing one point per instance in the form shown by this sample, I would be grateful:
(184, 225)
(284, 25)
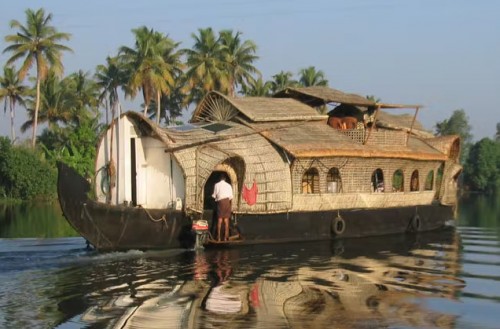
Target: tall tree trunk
(12, 115)
(111, 166)
(158, 106)
(37, 107)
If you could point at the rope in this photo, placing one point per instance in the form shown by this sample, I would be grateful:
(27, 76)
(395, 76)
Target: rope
(104, 179)
(84, 210)
(163, 218)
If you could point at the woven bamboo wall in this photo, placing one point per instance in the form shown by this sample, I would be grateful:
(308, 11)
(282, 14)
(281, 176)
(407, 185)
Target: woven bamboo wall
(449, 188)
(386, 137)
(356, 177)
(333, 201)
(357, 135)
(383, 137)
(187, 160)
(262, 163)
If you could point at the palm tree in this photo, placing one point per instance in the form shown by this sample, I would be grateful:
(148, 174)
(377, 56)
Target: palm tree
(257, 88)
(174, 101)
(85, 94)
(56, 104)
(12, 91)
(238, 57)
(281, 81)
(147, 67)
(373, 98)
(310, 77)
(109, 78)
(37, 43)
(206, 68)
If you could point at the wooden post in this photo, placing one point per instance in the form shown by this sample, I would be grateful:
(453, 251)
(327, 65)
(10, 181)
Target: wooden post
(412, 123)
(373, 124)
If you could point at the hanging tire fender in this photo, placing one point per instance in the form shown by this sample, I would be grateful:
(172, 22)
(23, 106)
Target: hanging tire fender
(416, 223)
(338, 225)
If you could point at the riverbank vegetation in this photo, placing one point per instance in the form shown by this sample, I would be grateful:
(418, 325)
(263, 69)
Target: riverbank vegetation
(75, 108)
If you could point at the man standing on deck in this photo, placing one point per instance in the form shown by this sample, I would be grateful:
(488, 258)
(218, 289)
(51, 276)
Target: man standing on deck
(223, 195)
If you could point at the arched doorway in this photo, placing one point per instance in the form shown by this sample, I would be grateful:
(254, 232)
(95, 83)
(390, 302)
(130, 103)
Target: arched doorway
(233, 169)
(209, 205)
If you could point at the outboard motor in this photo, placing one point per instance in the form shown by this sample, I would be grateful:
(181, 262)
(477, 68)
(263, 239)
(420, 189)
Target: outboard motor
(200, 228)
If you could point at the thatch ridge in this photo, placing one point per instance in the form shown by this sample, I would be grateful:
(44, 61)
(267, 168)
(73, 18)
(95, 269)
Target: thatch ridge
(320, 95)
(260, 109)
(317, 139)
(148, 127)
(442, 143)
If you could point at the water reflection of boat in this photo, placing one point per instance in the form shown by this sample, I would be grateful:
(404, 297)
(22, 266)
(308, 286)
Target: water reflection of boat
(345, 284)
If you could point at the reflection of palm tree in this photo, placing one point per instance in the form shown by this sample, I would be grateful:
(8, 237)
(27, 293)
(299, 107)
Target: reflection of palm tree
(12, 91)
(310, 77)
(36, 42)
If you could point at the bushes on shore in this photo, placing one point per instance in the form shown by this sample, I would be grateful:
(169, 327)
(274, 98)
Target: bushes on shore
(24, 174)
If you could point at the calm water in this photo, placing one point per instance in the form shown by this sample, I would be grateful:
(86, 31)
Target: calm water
(447, 279)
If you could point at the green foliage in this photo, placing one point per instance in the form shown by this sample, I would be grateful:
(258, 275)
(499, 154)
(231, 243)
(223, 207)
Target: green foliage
(398, 181)
(75, 146)
(24, 174)
(257, 88)
(429, 180)
(36, 43)
(310, 77)
(12, 91)
(482, 170)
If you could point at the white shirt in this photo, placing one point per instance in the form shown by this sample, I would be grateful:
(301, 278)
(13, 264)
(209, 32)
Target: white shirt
(222, 190)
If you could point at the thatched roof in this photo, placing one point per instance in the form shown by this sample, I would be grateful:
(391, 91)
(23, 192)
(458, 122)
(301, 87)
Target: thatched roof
(296, 127)
(317, 96)
(299, 138)
(443, 143)
(257, 109)
(317, 139)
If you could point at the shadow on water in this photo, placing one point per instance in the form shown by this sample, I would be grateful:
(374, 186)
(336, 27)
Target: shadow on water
(358, 283)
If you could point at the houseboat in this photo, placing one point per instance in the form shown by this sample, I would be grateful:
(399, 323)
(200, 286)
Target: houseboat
(309, 163)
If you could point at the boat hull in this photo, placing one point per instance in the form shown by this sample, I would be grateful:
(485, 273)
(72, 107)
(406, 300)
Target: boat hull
(111, 227)
(324, 225)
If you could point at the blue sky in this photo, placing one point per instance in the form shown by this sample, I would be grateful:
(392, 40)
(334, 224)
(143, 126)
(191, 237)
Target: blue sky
(443, 54)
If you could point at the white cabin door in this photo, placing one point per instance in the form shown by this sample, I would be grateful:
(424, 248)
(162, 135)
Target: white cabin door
(133, 172)
(138, 173)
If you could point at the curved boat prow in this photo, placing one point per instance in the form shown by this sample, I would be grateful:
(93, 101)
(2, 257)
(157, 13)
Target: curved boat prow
(72, 191)
(119, 227)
